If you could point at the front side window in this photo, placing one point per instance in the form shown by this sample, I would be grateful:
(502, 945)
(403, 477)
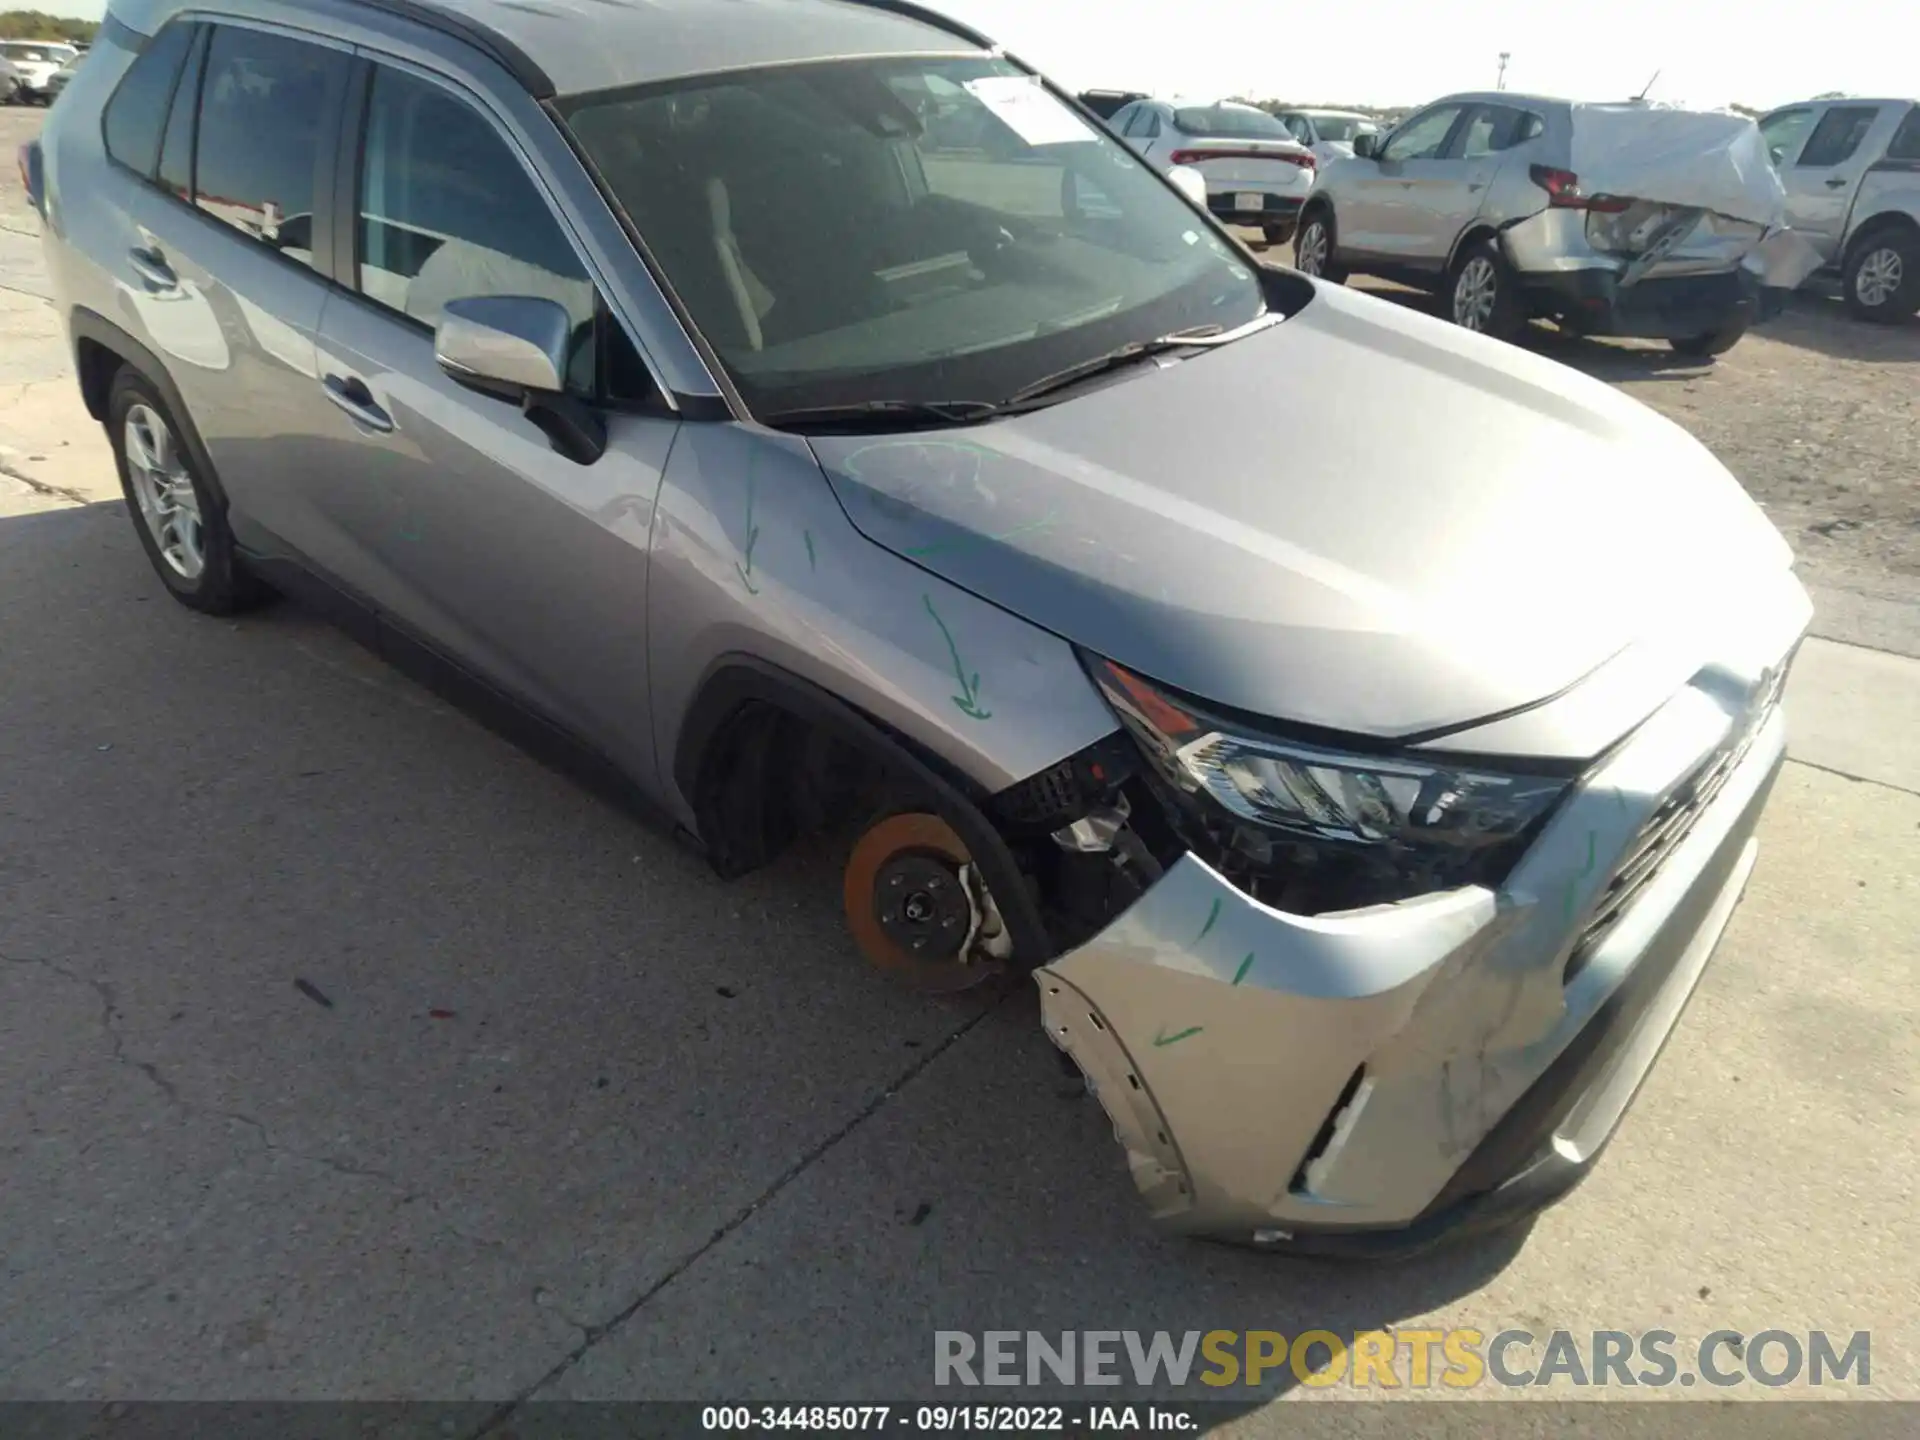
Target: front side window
(1838, 135)
(447, 211)
(138, 109)
(1783, 131)
(829, 255)
(1424, 136)
(266, 102)
(1229, 121)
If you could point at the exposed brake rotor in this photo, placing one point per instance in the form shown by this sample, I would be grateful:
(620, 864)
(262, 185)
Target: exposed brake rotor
(918, 909)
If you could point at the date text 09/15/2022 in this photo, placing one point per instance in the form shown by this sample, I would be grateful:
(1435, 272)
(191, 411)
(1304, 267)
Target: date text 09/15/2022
(942, 1419)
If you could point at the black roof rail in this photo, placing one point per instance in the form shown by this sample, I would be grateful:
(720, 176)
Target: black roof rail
(515, 61)
(927, 16)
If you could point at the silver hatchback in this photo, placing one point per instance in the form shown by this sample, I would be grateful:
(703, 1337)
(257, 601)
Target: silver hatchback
(821, 429)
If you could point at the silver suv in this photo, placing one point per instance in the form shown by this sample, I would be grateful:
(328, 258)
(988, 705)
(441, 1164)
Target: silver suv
(1364, 799)
(1480, 197)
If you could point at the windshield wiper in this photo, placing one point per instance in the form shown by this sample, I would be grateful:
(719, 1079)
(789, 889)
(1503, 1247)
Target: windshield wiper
(1122, 355)
(882, 415)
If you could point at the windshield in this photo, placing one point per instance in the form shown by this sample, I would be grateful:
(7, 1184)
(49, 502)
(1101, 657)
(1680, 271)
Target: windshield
(906, 228)
(1230, 121)
(1342, 128)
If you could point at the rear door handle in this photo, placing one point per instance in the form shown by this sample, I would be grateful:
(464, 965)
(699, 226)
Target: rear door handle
(352, 396)
(152, 268)
(1837, 182)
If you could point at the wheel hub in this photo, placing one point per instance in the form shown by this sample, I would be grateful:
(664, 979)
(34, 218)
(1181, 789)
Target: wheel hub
(1878, 277)
(917, 909)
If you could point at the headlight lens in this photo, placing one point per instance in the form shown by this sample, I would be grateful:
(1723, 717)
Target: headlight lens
(1317, 828)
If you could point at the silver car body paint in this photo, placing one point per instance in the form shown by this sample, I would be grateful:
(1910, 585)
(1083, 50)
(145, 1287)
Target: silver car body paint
(1359, 519)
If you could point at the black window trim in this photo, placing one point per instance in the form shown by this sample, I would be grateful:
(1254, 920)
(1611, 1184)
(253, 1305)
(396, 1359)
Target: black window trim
(345, 237)
(196, 51)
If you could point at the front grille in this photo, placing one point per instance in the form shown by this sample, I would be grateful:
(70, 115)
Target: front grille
(1669, 825)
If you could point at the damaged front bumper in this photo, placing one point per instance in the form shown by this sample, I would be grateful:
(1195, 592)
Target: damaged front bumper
(1367, 1083)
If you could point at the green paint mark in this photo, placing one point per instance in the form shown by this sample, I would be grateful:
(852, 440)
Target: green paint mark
(1162, 1038)
(923, 550)
(813, 562)
(1212, 915)
(753, 531)
(1573, 884)
(968, 701)
(1245, 965)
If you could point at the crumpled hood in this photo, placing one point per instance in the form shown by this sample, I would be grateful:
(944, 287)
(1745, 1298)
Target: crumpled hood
(1361, 519)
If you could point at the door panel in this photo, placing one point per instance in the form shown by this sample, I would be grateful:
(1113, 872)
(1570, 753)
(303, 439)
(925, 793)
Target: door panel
(229, 288)
(1394, 192)
(452, 512)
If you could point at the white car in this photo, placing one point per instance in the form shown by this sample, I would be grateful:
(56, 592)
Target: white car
(1256, 172)
(35, 62)
(1328, 133)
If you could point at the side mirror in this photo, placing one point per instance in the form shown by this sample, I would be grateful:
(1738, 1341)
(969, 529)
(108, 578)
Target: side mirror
(1191, 183)
(515, 348)
(1366, 145)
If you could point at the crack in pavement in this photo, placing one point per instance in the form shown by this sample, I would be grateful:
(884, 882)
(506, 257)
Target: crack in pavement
(594, 1334)
(110, 1025)
(41, 487)
(1849, 775)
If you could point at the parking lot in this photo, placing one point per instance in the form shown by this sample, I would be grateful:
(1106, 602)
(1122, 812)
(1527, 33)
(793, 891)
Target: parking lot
(347, 1052)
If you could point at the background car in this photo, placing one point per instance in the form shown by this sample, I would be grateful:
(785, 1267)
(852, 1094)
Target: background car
(1476, 197)
(36, 61)
(1328, 133)
(1256, 172)
(57, 81)
(1851, 169)
(1108, 103)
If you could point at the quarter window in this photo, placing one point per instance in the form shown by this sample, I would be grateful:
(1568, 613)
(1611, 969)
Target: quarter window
(138, 108)
(1838, 134)
(1424, 136)
(266, 103)
(447, 212)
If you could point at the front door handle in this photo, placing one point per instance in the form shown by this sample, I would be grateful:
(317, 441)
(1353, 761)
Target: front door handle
(1837, 182)
(352, 396)
(152, 268)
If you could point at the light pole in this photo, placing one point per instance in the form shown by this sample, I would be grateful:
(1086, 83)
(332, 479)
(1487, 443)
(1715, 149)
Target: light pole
(1501, 82)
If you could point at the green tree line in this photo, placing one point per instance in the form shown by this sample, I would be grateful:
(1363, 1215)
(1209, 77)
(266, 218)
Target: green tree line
(38, 25)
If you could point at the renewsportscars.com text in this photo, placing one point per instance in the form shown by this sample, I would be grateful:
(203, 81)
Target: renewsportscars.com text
(1402, 1359)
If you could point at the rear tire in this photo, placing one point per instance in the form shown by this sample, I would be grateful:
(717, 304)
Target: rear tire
(181, 520)
(1882, 275)
(1705, 347)
(1314, 251)
(1481, 295)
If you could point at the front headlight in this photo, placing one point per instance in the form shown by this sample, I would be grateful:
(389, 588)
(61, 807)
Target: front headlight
(1312, 828)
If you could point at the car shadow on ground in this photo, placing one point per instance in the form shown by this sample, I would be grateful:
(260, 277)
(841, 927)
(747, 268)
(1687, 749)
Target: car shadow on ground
(340, 928)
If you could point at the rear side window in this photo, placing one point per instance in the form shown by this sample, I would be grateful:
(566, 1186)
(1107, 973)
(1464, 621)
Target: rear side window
(1905, 144)
(266, 103)
(138, 109)
(1838, 135)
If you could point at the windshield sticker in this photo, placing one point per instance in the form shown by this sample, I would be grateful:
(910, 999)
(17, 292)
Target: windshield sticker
(1029, 111)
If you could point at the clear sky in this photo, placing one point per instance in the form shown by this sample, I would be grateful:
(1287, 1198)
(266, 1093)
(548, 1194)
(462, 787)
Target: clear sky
(1400, 52)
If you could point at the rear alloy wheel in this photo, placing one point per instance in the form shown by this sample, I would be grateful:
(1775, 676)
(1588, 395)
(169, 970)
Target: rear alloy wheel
(1313, 249)
(1481, 296)
(181, 523)
(1882, 276)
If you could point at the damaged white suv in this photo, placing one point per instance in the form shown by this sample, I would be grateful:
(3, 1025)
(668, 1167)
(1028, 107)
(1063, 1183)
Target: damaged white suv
(1630, 219)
